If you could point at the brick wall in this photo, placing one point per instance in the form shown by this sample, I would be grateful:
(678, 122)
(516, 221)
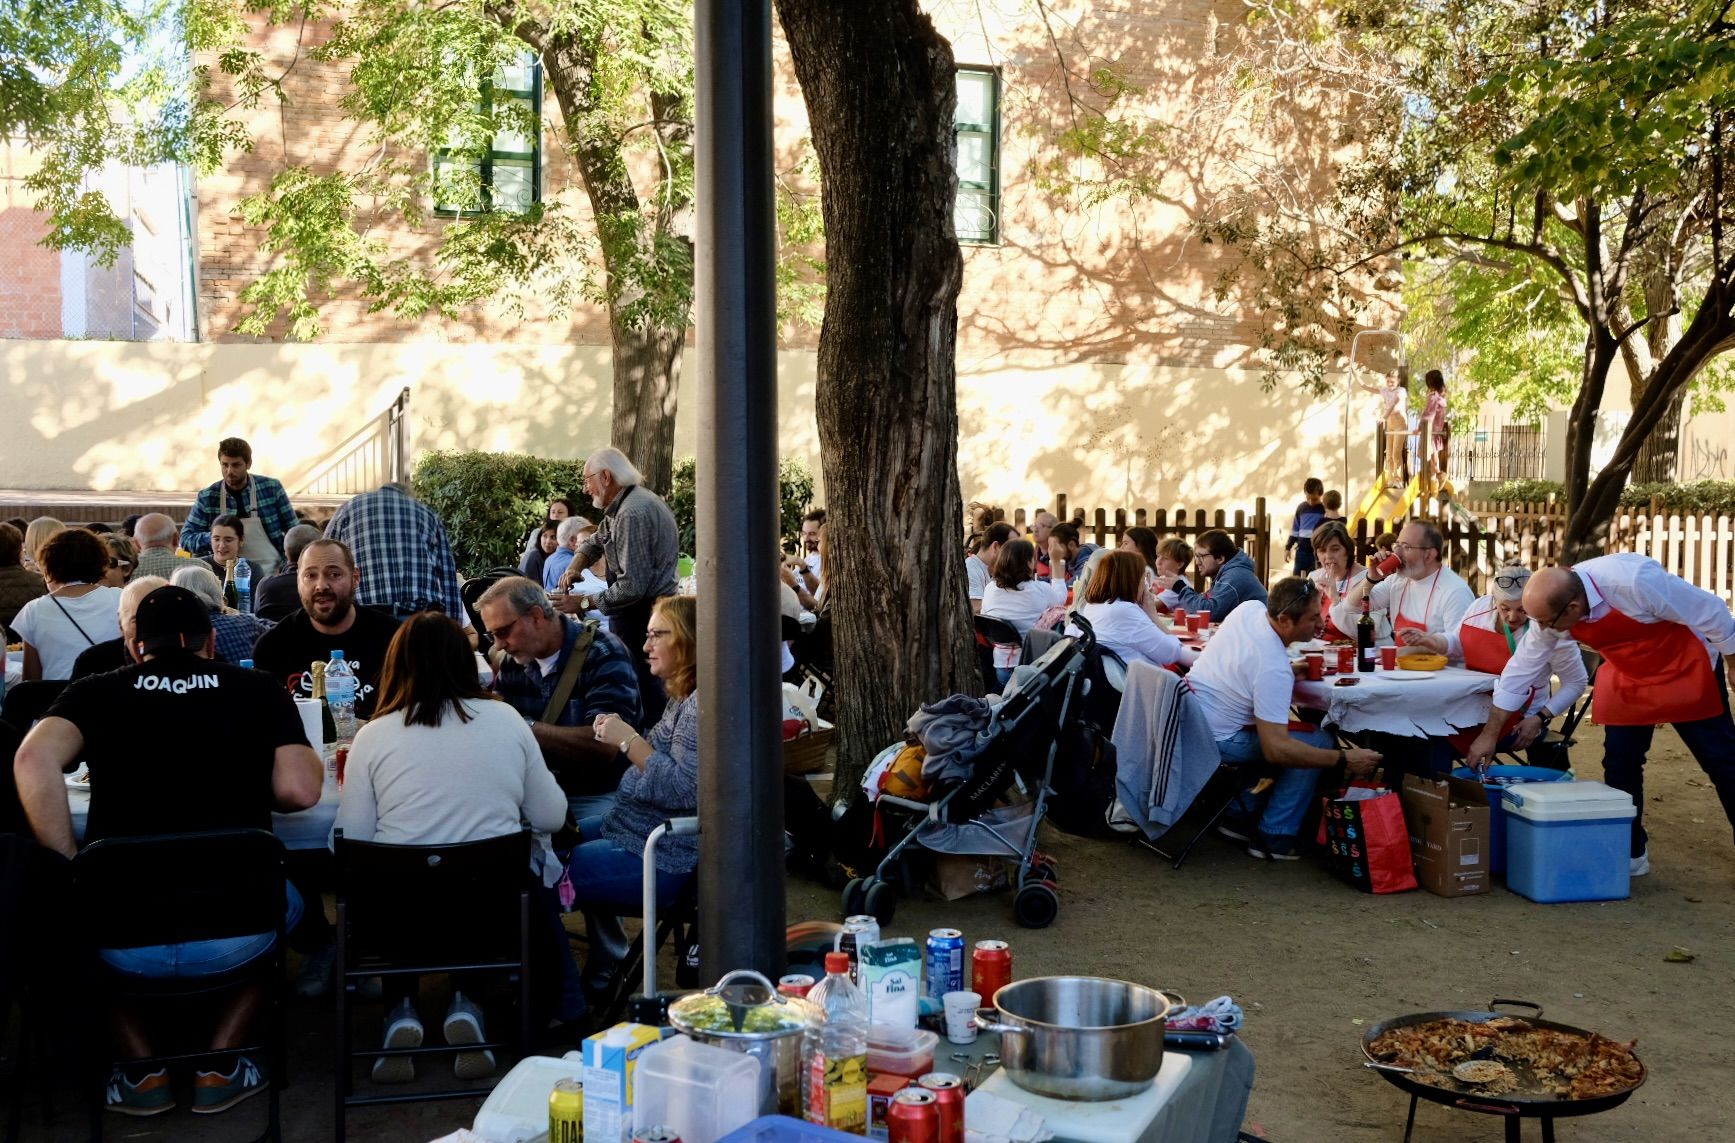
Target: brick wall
(29, 272)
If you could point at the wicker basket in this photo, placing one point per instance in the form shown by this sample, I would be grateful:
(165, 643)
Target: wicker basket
(806, 754)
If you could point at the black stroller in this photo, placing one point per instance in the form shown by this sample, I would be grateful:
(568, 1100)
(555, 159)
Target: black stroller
(1018, 745)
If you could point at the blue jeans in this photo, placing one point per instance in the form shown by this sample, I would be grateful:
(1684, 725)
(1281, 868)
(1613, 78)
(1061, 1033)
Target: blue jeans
(1711, 741)
(581, 808)
(195, 959)
(608, 879)
(1286, 803)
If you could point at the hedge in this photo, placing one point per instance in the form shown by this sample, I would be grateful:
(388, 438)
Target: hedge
(1528, 492)
(489, 501)
(794, 493)
(1716, 497)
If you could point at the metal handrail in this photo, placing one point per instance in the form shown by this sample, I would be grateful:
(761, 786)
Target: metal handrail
(376, 454)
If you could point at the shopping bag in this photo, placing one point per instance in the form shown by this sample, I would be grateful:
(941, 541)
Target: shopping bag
(1367, 841)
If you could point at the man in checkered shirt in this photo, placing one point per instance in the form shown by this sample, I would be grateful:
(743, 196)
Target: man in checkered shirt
(401, 547)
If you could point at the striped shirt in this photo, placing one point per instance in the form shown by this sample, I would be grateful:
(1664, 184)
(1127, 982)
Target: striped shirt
(401, 550)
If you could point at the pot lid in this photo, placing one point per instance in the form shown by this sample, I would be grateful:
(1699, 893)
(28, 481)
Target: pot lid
(744, 1006)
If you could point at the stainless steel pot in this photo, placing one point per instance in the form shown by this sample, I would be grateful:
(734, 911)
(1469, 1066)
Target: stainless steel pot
(1080, 1037)
(755, 1019)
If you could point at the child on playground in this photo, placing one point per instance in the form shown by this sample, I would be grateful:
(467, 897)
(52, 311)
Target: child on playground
(1309, 514)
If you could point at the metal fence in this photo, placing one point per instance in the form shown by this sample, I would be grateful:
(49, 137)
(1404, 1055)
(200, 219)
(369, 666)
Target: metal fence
(375, 454)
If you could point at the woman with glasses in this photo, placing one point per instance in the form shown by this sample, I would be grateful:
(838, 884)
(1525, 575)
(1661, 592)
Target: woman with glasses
(1485, 640)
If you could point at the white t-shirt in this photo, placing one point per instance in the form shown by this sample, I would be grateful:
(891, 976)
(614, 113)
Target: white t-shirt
(1124, 628)
(1243, 675)
(978, 573)
(459, 781)
(1023, 606)
(55, 632)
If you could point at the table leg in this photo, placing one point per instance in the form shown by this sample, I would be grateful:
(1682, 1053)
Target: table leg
(1548, 1129)
(1514, 1129)
(1410, 1123)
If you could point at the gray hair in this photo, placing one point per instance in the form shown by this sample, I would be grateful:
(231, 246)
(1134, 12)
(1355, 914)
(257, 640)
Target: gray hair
(154, 529)
(570, 527)
(202, 582)
(295, 542)
(614, 462)
(136, 589)
(1510, 594)
(1289, 597)
(521, 593)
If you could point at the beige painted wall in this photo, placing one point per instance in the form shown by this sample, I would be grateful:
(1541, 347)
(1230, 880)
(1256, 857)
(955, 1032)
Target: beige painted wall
(119, 415)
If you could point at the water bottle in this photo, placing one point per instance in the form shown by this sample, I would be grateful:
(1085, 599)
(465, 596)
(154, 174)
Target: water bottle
(243, 585)
(834, 1054)
(340, 688)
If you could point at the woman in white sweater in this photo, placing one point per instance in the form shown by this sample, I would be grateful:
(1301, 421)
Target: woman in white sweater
(1015, 595)
(443, 761)
(1122, 611)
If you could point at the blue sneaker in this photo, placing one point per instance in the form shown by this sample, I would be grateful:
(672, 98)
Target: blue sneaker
(214, 1091)
(150, 1096)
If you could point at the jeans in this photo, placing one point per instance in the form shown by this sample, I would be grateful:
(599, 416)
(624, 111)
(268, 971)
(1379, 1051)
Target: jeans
(1710, 740)
(1287, 802)
(608, 879)
(196, 959)
(581, 808)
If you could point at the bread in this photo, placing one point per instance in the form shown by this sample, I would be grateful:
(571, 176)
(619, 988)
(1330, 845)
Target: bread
(1421, 662)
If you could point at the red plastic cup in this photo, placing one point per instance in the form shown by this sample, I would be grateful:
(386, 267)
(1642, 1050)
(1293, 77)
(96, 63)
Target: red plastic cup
(1315, 667)
(1389, 658)
(1180, 615)
(1345, 660)
(1389, 565)
(1197, 622)
(342, 759)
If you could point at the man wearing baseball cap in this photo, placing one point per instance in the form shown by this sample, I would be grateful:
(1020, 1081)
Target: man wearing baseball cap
(265, 763)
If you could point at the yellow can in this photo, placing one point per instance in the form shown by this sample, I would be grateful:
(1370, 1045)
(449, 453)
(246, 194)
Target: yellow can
(566, 1112)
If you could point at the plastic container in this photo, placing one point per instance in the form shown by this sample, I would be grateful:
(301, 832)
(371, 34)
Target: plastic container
(1505, 776)
(516, 1111)
(782, 1129)
(900, 1051)
(244, 585)
(1568, 841)
(701, 1091)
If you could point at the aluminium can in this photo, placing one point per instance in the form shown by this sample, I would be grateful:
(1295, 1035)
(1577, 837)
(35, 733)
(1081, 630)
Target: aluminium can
(796, 984)
(948, 1092)
(990, 968)
(566, 1112)
(945, 962)
(913, 1117)
(656, 1135)
(858, 930)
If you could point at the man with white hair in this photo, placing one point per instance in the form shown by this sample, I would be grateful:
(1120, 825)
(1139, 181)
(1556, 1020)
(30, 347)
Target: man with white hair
(638, 537)
(236, 632)
(113, 654)
(566, 535)
(156, 536)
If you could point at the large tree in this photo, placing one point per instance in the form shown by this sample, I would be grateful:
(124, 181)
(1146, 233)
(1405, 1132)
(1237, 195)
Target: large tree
(879, 85)
(1579, 148)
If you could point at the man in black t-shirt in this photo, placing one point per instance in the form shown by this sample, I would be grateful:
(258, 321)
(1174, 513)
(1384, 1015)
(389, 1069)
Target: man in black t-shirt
(329, 620)
(263, 762)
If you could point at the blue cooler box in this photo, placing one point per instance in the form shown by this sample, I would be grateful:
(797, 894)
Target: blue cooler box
(1495, 778)
(1568, 841)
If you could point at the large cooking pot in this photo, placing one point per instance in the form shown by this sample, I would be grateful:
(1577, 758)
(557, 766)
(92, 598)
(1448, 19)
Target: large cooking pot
(744, 1013)
(1081, 1037)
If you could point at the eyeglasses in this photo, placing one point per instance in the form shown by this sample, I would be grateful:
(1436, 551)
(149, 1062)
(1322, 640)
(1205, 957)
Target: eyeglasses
(499, 633)
(1403, 547)
(1511, 581)
(652, 634)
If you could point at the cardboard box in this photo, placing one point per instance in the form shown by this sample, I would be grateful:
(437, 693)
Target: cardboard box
(610, 1058)
(1449, 834)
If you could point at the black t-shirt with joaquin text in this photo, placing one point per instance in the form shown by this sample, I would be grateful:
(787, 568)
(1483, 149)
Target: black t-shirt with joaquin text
(179, 744)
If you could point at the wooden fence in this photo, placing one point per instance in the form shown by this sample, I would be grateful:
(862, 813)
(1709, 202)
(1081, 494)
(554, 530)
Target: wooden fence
(1105, 528)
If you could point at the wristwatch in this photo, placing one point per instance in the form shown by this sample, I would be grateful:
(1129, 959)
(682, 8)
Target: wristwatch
(1342, 757)
(628, 741)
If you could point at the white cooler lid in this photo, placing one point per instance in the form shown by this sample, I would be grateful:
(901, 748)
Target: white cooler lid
(1567, 801)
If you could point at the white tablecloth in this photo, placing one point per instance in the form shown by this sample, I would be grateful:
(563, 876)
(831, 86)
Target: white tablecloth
(307, 829)
(1414, 704)
(14, 668)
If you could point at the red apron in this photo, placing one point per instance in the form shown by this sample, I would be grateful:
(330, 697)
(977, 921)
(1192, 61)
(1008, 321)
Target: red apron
(1651, 673)
(1399, 623)
(1489, 652)
(1328, 629)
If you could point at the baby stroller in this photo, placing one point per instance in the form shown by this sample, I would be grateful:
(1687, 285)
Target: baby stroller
(1018, 745)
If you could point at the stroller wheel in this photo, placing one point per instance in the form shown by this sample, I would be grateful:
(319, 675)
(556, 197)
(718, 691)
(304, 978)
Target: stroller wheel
(882, 901)
(1036, 905)
(854, 897)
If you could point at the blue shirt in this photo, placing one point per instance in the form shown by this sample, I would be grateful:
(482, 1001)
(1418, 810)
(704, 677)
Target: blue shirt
(554, 567)
(607, 684)
(274, 512)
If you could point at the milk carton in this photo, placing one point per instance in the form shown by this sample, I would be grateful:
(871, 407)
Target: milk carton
(609, 1059)
(891, 975)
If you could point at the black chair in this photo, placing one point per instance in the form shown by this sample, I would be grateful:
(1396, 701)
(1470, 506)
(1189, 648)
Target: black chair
(27, 702)
(276, 612)
(385, 894)
(38, 965)
(133, 892)
(471, 590)
(992, 633)
(1223, 789)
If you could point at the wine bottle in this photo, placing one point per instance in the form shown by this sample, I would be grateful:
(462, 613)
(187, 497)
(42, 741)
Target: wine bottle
(231, 594)
(1366, 656)
(327, 725)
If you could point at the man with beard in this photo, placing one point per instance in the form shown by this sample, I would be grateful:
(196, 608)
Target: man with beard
(329, 620)
(1423, 596)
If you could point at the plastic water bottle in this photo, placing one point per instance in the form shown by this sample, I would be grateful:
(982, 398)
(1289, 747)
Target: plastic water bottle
(243, 585)
(834, 1055)
(340, 689)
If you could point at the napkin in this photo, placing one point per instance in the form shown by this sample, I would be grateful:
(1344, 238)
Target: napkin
(993, 1119)
(308, 709)
(1219, 1015)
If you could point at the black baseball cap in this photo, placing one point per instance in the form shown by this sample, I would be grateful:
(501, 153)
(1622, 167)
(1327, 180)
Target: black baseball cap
(166, 615)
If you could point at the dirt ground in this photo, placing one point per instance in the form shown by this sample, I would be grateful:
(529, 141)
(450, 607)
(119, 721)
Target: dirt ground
(1312, 962)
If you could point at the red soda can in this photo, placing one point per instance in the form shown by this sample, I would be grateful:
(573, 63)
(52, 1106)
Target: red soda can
(990, 969)
(795, 984)
(913, 1117)
(1346, 659)
(949, 1098)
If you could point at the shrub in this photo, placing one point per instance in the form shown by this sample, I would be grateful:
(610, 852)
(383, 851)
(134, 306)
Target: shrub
(1529, 492)
(794, 493)
(1713, 496)
(489, 501)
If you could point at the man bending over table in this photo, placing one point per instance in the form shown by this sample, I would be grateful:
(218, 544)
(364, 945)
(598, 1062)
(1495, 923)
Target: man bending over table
(265, 764)
(1664, 645)
(1243, 679)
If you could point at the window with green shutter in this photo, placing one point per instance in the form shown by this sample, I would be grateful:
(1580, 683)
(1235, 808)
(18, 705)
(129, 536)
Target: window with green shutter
(976, 124)
(506, 177)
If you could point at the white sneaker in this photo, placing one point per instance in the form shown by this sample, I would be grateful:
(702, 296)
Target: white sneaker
(1640, 865)
(403, 1030)
(464, 1026)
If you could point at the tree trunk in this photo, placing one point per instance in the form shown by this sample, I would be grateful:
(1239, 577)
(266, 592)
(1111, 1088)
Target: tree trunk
(647, 379)
(879, 86)
(1660, 451)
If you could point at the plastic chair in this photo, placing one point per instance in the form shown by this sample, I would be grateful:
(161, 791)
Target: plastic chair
(479, 894)
(471, 590)
(133, 892)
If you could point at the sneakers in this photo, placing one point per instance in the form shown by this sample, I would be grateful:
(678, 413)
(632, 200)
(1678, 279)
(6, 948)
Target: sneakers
(150, 1096)
(314, 979)
(214, 1092)
(464, 1026)
(1640, 865)
(1274, 849)
(403, 1030)
(1235, 830)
